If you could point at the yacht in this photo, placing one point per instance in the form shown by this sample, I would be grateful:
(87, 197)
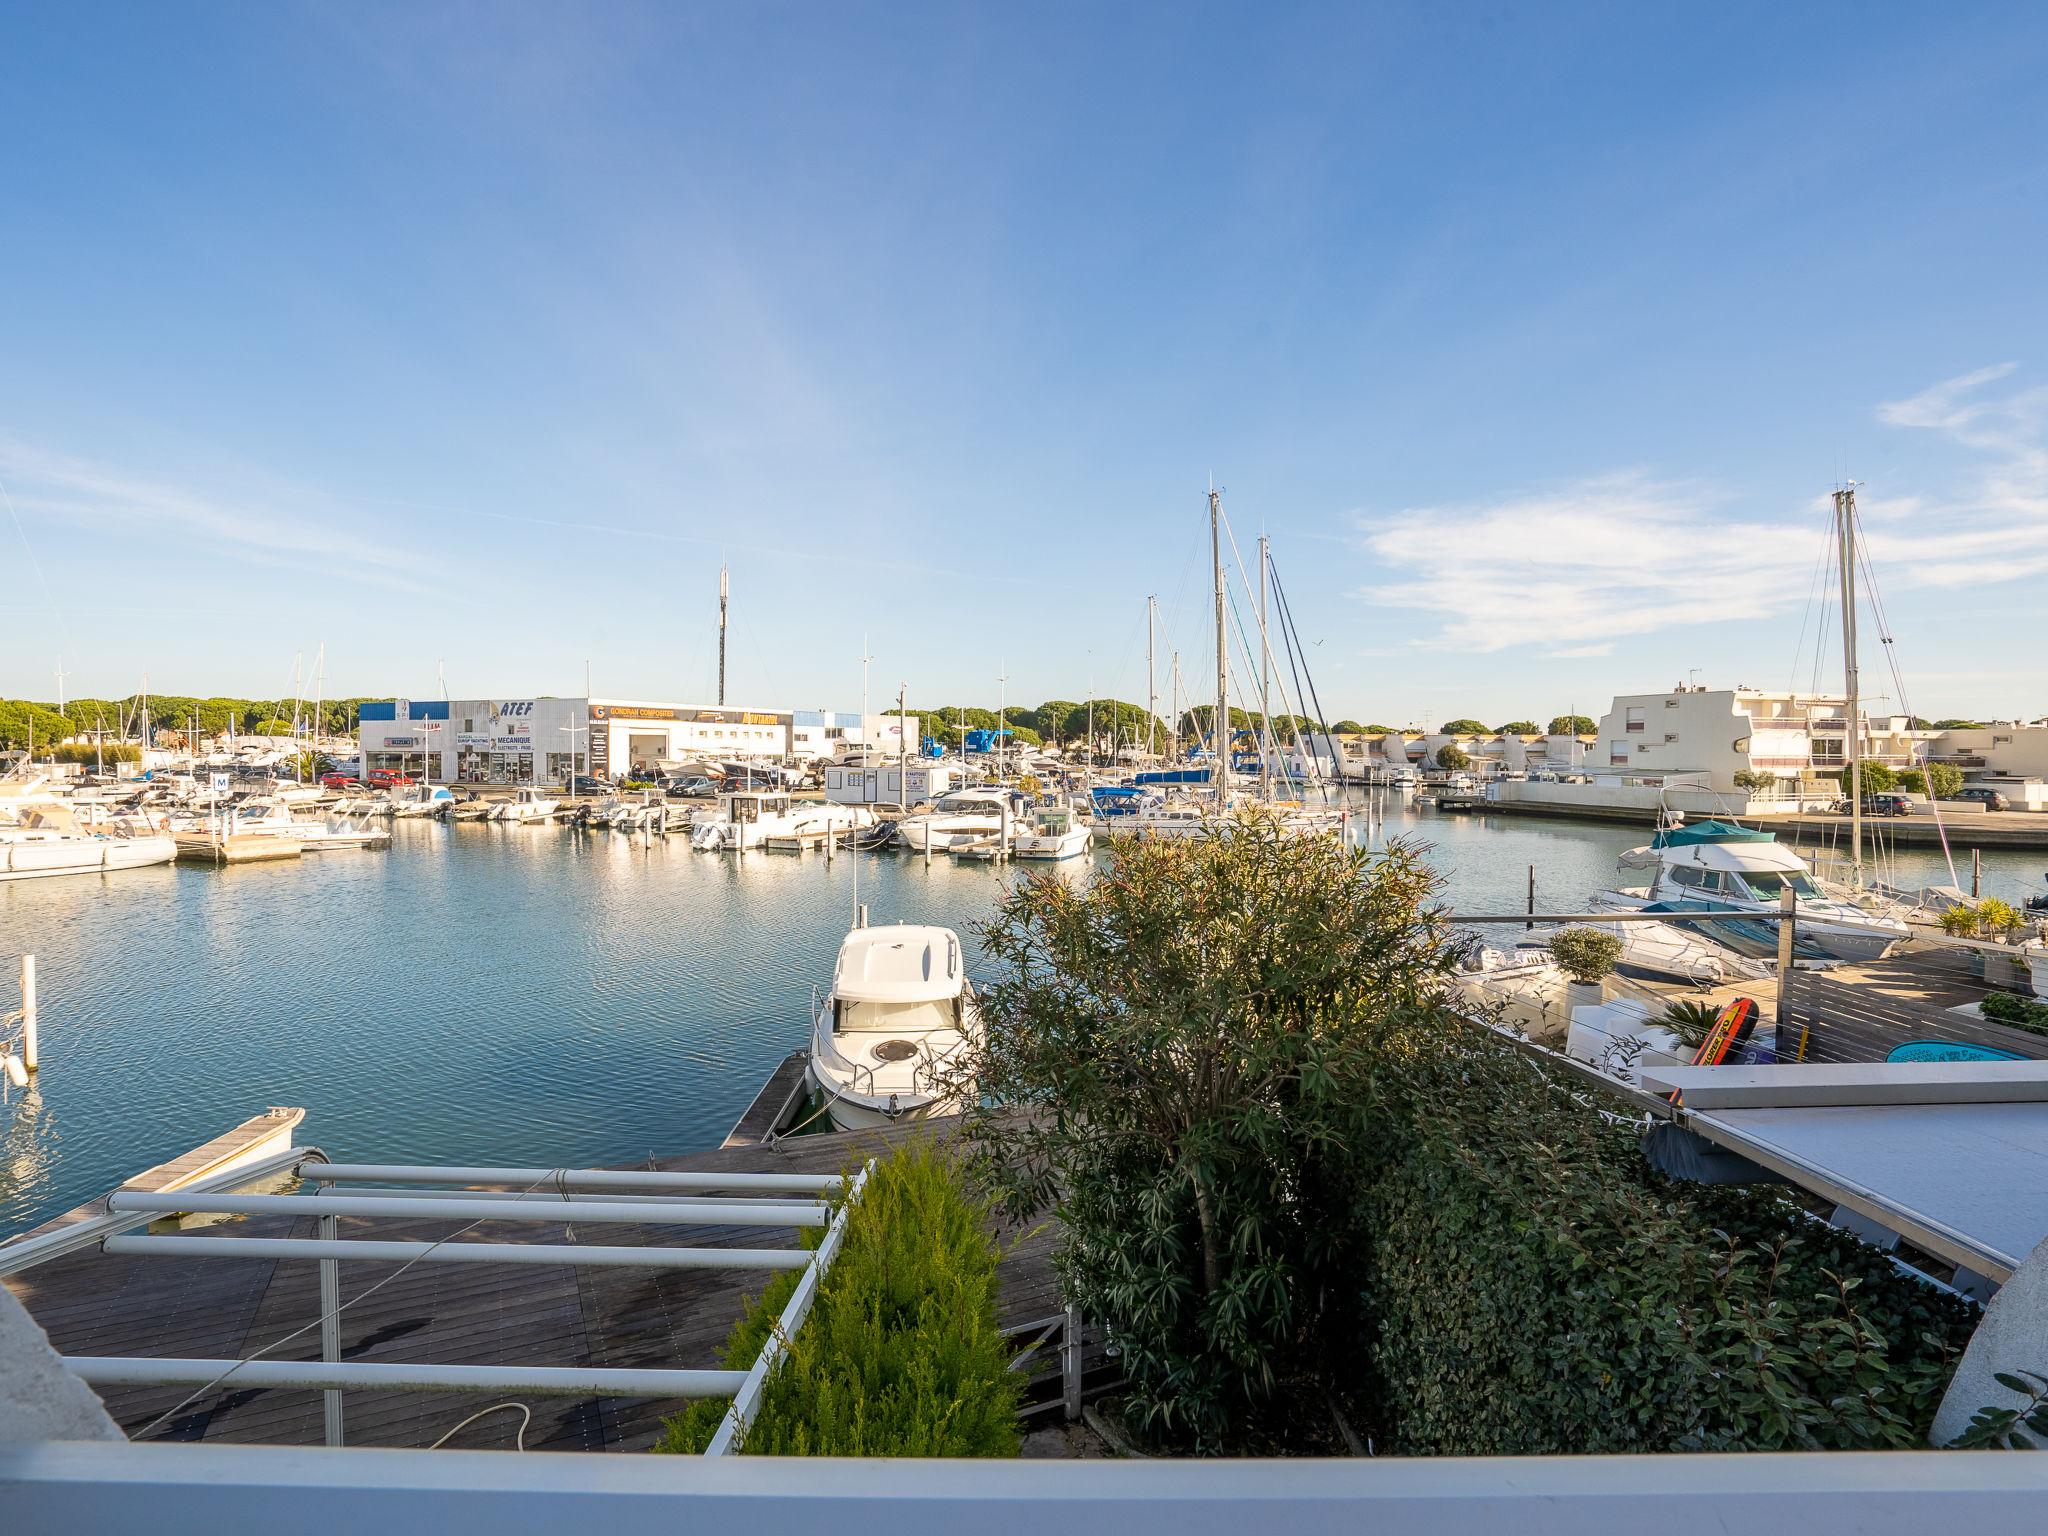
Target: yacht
(1055, 833)
(1715, 866)
(900, 1007)
(527, 804)
(37, 841)
(963, 816)
(747, 818)
(422, 800)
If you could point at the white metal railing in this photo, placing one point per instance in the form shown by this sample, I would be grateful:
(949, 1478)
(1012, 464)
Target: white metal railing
(110, 1486)
(569, 1197)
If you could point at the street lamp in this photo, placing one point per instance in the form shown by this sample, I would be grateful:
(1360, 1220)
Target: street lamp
(574, 730)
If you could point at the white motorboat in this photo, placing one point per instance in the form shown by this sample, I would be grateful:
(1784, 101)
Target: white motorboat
(1055, 833)
(28, 855)
(422, 800)
(883, 1041)
(963, 816)
(747, 818)
(1715, 866)
(526, 804)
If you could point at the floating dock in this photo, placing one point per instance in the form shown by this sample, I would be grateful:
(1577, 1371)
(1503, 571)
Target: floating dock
(211, 848)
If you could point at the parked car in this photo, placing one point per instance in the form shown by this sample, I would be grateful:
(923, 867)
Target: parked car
(340, 781)
(1990, 799)
(1876, 805)
(694, 788)
(589, 784)
(384, 778)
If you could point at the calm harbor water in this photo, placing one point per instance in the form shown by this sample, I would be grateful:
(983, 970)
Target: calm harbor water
(529, 995)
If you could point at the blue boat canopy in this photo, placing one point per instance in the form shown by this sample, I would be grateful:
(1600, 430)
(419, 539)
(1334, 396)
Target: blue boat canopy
(1708, 832)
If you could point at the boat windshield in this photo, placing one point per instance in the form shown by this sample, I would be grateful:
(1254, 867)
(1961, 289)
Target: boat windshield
(1765, 884)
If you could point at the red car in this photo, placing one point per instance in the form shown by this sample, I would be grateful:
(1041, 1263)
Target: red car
(339, 781)
(390, 776)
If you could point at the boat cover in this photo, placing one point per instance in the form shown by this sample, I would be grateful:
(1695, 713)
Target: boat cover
(1708, 832)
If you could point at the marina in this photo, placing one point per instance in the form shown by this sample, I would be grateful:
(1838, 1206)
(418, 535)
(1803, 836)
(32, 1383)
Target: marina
(478, 980)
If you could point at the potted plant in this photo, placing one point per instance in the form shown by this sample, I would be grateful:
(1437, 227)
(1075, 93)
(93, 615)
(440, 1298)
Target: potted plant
(1587, 957)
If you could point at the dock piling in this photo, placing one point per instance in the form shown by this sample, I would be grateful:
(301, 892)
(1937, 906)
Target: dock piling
(28, 1012)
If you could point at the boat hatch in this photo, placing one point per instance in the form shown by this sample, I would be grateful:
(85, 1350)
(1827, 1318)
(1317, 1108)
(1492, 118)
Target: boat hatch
(895, 1050)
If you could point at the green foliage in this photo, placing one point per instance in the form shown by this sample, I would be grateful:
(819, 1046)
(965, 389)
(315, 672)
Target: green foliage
(1755, 778)
(2015, 1012)
(1534, 1288)
(1050, 719)
(1286, 1176)
(1194, 723)
(1451, 757)
(1689, 1019)
(1189, 1034)
(1998, 1429)
(109, 752)
(1351, 728)
(1585, 954)
(1998, 917)
(1573, 725)
(1957, 725)
(1959, 921)
(1517, 728)
(900, 1356)
(1943, 781)
(1464, 726)
(1912, 781)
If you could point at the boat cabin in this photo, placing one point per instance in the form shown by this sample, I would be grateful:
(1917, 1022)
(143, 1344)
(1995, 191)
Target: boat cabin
(753, 805)
(899, 979)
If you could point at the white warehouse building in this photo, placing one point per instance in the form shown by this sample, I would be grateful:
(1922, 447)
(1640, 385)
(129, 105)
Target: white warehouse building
(543, 740)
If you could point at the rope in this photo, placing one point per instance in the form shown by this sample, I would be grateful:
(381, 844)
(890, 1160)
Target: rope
(518, 1439)
(198, 1392)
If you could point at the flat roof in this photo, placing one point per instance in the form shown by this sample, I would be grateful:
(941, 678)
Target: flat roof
(1965, 1176)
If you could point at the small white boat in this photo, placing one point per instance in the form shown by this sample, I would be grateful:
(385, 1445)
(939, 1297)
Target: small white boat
(882, 1042)
(29, 853)
(749, 818)
(527, 804)
(1055, 833)
(963, 816)
(422, 800)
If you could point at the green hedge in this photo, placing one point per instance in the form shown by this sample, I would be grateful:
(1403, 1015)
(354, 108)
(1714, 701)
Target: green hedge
(900, 1356)
(1532, 1287)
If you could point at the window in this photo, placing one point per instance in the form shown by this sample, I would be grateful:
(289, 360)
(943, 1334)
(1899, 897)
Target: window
(1671, 703)
(1765, 884)
(1669, 737)
(1635, 719)
(468, 725)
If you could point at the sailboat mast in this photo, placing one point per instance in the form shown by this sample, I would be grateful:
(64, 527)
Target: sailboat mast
(1219, 726)
(1151, 687)
(1265, 685)
(1845, 520)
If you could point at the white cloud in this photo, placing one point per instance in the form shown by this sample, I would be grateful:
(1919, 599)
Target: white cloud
(1576, 568)
(252, 524)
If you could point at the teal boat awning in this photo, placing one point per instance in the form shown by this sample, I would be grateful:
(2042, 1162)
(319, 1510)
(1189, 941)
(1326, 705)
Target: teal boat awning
(1708, 832)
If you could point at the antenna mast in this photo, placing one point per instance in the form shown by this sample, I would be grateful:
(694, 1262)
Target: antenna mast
(724, 592)
(1151, 687)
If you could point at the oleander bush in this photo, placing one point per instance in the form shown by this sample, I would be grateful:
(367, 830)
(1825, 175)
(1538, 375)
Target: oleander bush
(900, 1355)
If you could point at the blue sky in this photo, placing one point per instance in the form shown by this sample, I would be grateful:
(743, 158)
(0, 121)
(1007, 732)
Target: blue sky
(1533, 335)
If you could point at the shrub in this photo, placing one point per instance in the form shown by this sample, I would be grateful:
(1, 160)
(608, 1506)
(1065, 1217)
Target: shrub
(1995, 917)
(1534, 1288)
(1188, 1037)
(1689, 1020)
(1959, 921)
(1585, 954)
(1451, 757)
(2015, 1012)
(900, 1356)
(105, 752)
(1755, 778)
(1944, 780)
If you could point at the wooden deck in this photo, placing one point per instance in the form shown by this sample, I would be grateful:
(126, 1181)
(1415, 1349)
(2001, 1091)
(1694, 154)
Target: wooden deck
(93, 1303)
